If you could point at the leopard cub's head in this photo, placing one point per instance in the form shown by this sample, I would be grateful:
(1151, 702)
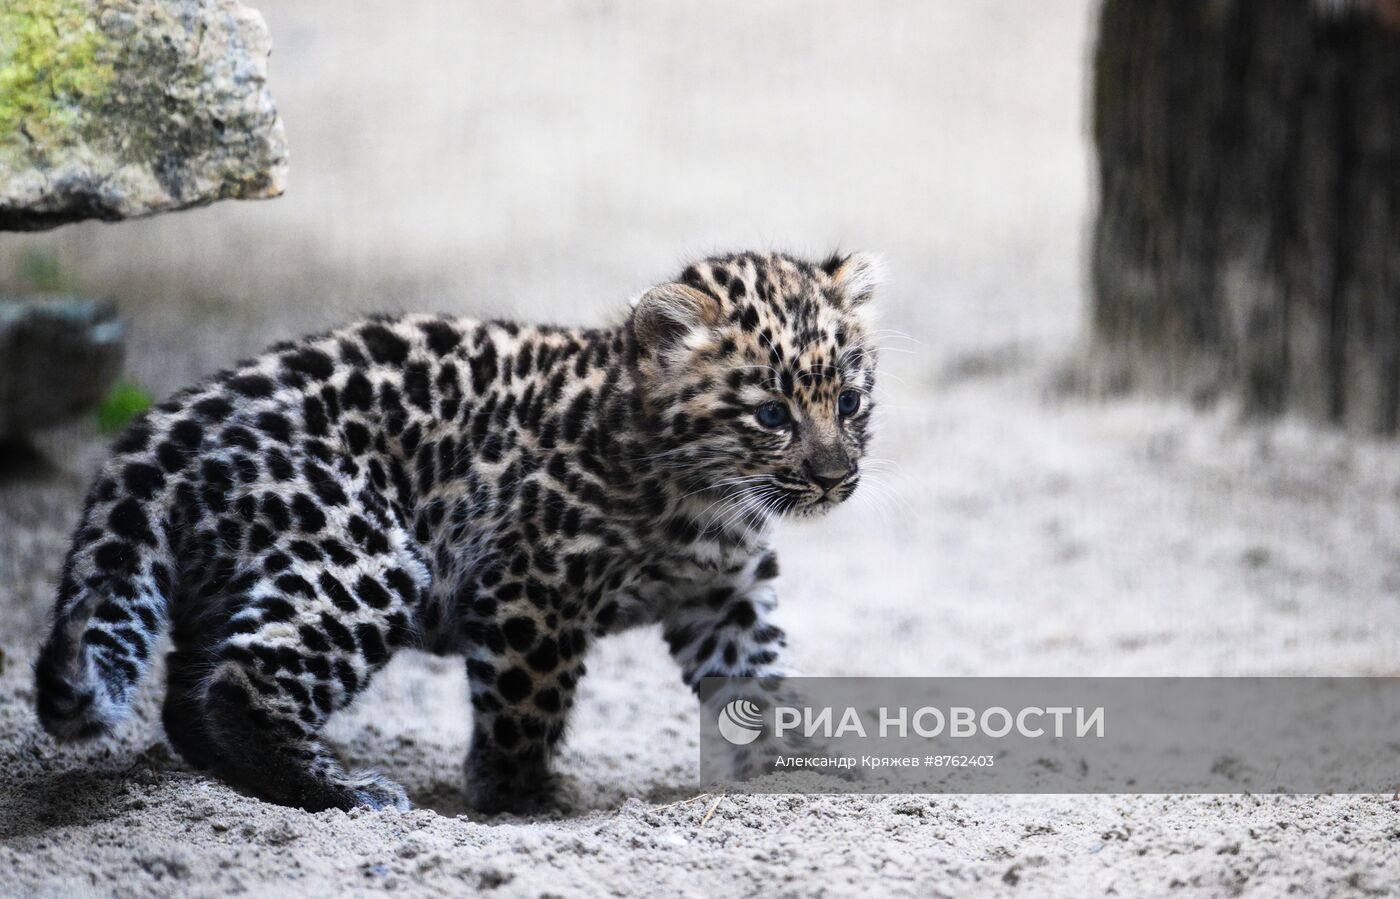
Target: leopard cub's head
(758, 369)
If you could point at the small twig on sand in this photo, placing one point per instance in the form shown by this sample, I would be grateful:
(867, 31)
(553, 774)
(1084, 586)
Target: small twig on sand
(680, 802)
(710, 814)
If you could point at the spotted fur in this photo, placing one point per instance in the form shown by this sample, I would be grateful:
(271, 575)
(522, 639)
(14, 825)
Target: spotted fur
(504, 492)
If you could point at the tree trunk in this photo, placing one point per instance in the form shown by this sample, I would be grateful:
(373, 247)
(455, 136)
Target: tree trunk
(1248, 236)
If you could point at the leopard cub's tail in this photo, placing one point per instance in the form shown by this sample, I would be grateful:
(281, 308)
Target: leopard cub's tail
(110, 612)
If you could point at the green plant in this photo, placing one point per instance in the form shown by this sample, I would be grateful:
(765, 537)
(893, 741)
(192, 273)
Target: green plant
(40, 271)
(123, 403)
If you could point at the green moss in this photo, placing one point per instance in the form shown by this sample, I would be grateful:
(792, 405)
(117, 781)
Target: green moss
(53, 60)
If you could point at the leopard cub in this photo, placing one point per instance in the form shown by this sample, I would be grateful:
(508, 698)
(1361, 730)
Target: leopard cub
(499, 491)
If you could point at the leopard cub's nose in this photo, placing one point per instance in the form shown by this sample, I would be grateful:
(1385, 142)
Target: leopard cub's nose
(827, 478)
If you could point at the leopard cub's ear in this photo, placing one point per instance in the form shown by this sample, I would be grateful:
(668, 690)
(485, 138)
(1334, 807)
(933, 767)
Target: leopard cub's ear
(856, 276)
(665, 315)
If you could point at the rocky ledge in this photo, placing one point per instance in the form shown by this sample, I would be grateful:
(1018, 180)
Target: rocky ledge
(114, 109)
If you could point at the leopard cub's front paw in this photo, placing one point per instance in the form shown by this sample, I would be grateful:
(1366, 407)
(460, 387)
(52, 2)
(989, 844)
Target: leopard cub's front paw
(540, 794)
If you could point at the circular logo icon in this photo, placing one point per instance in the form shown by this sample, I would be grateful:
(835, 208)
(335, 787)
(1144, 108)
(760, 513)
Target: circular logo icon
(741, 722)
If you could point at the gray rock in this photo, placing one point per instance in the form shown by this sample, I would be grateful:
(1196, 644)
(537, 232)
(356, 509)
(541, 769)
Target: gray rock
(114, 109)
(58, 358)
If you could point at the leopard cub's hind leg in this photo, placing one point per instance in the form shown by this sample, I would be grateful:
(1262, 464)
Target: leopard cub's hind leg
(305, 631)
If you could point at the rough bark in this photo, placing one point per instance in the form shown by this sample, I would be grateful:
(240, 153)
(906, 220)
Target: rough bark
(1248, 237)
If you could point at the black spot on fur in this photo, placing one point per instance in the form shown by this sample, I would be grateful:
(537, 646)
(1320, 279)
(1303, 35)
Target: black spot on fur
(334, 589)
(313, 413)
(142, 480)
(357, 437)
(358, 393)
(385, 347)
(417, 387)
(483, 366)
(832, 263)
(547, 700)
(403, 585)
(742, 614)
(275, 426)
(442, 337)
(338, 633)
(279, 466)
(128, 520)
(519, 633)
(314, 639)
(372, 593)
(337, 552)
(513, 685)
(545, 657)
(327, 489)
(370, 540)
(310, 362)
(309, 516)
(291, 583)
(252, 386)
(276, 609)
(372, 644)
(275, 511)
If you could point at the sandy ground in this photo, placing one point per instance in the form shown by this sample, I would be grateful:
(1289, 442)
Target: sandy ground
(490, 158)
(1030, 536)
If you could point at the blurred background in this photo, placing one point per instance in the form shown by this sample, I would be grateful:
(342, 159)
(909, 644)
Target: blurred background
(549, 161)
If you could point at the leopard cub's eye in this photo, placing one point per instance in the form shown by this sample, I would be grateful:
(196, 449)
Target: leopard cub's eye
(773, 414)
(848, 402)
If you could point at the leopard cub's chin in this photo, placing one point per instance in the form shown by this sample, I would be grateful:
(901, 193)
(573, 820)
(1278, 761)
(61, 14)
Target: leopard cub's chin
(821, 505)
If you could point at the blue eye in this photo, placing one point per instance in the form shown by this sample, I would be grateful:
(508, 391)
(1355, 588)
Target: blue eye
(848, 402)
(773, 414)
